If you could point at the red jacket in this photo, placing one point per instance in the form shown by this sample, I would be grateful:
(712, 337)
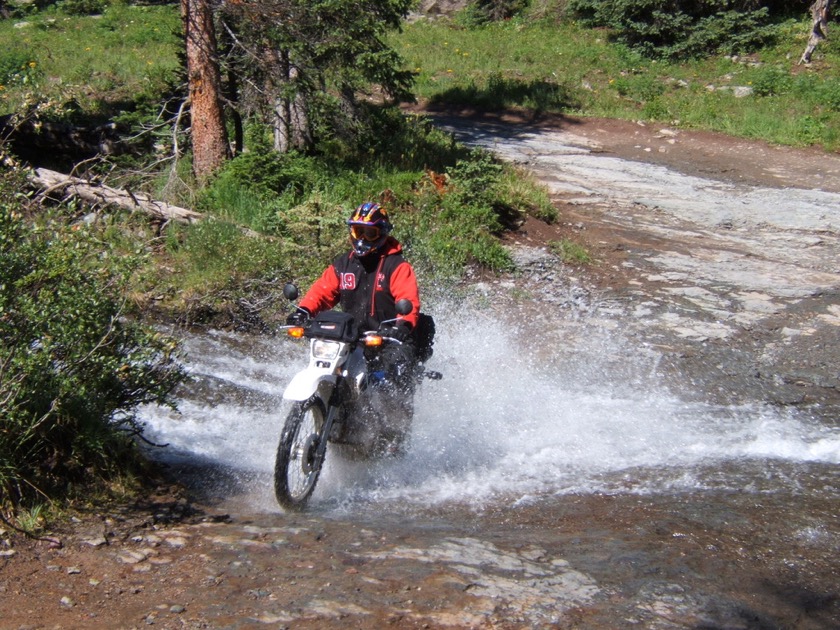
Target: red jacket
(367, 287)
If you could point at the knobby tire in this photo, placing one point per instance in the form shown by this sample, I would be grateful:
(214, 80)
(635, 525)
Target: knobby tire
(295, 470)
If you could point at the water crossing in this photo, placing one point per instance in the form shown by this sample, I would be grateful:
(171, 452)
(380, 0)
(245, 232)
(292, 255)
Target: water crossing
(515, 419)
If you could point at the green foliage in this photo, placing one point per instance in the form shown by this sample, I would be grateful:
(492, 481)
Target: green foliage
(771, 81)
(18, 67)
(610, 80)
(479, 12)
(319, 59)
(827, 94)
(273, 173)
(640, 86)
(518, 190)
(104, 62)
(570, 252)
(83, 7)
(457, 224)
(499, 92)
(31, 520)
(667, 29)
(72, 367)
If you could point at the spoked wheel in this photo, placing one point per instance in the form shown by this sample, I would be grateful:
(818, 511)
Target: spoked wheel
(296, 469)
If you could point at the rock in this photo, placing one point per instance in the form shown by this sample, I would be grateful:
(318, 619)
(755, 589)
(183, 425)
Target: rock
(132, 557)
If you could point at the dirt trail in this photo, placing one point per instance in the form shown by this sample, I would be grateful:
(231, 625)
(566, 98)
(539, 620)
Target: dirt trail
(731, 275)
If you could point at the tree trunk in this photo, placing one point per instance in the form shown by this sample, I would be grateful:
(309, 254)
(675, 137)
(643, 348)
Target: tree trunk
(209, 137)
(819, 30)
(291, 123)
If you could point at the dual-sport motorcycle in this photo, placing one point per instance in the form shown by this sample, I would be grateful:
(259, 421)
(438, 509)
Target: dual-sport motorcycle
(344, 397)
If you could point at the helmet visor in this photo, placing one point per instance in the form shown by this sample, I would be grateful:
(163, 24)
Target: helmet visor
(370, 233)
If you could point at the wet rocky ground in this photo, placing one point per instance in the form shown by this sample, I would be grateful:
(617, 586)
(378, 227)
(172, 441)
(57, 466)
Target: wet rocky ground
(715, 257)
(700, 561)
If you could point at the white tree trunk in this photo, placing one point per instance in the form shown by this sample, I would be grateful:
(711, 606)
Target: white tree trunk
(291, 122)
(820, 11)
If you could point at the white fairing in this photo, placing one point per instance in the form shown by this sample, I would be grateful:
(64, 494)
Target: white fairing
(321, 373)
(305, 383)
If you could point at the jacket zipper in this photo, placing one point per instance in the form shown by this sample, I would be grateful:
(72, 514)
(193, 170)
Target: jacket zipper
(373, 288)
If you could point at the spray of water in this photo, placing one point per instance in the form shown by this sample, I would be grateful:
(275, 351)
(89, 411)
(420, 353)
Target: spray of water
(517, 416)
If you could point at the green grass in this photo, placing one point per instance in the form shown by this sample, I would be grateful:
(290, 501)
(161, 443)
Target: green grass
(569, 70)
(105, 64)
(570, 252)
(95, 64)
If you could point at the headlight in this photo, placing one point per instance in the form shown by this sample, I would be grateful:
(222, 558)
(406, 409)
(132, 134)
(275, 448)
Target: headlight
(325, 350)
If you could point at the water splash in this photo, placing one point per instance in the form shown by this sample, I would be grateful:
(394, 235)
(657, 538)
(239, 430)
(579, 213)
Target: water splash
(517, 416)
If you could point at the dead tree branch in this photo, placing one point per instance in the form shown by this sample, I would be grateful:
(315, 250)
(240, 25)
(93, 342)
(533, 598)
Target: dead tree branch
(51, 181)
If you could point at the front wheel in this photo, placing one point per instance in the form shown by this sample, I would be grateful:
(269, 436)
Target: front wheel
(296, 468)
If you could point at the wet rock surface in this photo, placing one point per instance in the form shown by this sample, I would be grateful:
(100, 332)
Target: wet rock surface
(721, 254)
(589, 562)
(717, 259)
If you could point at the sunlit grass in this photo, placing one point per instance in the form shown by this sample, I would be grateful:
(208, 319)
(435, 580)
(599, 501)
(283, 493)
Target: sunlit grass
(92, 61)
(566, 69)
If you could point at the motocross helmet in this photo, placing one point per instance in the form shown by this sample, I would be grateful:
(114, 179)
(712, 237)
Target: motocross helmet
(369, 228)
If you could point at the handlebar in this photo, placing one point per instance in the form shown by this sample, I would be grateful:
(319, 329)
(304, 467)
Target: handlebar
(368, 337)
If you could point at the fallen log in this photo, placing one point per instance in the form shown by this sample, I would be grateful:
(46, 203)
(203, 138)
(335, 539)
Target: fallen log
(52, 181)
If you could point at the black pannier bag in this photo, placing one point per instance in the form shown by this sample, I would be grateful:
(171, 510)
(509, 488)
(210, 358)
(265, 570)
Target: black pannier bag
(333, 325)
(424, 337)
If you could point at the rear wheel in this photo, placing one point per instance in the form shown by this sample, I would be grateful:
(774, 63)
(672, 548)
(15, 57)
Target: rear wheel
(296, 468)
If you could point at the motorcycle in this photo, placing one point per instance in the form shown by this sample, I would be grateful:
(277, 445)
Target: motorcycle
(344, 397)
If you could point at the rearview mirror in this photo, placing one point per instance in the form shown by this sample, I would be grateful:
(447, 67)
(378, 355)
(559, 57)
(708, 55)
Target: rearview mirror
(404, 307)
(290, 292)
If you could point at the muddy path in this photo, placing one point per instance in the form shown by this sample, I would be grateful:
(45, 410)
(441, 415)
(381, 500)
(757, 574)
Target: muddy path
(716, 279)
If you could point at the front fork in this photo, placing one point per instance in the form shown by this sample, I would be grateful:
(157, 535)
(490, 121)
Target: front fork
(333, 410)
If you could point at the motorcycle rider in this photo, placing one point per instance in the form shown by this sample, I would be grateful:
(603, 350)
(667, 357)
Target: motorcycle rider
(367, 282)
(369, 279)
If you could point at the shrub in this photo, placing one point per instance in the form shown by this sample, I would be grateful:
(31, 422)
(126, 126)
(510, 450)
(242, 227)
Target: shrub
(83, 7)
(674, 30)
(771, 81)
(480, 12)
(73, 368)
(460, 216)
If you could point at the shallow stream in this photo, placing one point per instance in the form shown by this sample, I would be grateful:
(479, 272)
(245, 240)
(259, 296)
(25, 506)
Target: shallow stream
(513, 421)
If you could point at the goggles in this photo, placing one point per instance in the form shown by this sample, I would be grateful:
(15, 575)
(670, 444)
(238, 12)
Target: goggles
(368, 233)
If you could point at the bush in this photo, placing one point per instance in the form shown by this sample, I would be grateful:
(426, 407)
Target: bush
(459, 217)
(73, 369)
(83, 7)
(675, 30)
(771, 81)
(480, 12)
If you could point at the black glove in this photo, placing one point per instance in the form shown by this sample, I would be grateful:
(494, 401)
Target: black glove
(299, 317)
(399, 331)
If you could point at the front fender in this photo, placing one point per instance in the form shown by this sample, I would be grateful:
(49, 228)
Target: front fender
(306, 383)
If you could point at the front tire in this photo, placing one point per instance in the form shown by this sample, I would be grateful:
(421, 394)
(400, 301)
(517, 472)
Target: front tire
(296, 469)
